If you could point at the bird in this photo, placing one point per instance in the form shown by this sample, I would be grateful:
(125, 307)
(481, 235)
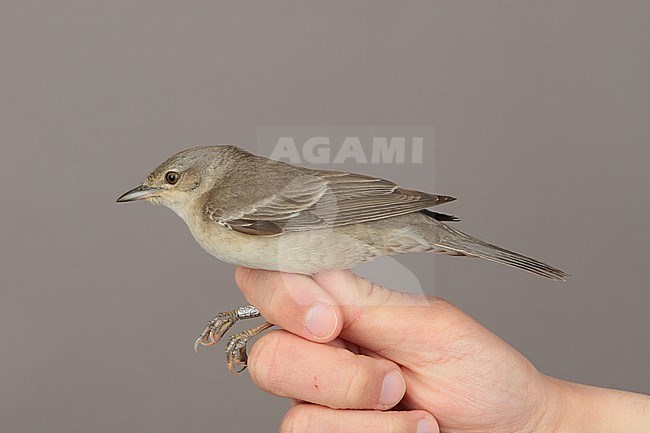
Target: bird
(252, 211)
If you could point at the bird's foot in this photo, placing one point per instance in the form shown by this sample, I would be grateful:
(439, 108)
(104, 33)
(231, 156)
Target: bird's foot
(218, 326)
(236, 356)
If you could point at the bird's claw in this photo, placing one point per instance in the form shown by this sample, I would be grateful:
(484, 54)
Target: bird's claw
(236, 355)
(216, 329)
(236, 348)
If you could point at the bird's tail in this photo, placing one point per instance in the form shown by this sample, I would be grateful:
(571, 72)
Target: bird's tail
(464, 244)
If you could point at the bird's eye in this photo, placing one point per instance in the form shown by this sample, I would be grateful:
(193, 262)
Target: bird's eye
(171, 177)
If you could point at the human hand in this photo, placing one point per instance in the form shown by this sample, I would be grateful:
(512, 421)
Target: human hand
(382, 345)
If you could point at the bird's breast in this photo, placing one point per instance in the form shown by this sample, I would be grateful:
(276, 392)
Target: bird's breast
(306, 252)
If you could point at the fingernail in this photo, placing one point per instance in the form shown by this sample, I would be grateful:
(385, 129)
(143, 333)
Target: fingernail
(392, 390)
(321, 321)
(425, 425)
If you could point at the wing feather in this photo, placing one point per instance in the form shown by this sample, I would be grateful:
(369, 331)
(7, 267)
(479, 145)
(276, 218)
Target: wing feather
(319, 199)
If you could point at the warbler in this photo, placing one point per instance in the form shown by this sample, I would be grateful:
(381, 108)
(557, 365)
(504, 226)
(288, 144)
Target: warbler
(252, 211)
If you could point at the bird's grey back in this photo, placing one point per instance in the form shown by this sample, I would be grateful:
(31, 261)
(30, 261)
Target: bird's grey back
(259, 196)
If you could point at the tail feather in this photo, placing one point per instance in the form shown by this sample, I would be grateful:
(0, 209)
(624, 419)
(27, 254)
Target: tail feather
(455, 240)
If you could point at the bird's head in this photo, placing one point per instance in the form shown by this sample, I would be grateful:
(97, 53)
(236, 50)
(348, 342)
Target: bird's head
(179, 181)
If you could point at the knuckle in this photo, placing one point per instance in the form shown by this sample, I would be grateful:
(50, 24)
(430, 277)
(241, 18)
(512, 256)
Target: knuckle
(356, 387)
(392, 425)
(296, 420)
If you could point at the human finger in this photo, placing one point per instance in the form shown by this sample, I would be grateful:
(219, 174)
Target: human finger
(289, 366)
(318, 419)
(293, 302)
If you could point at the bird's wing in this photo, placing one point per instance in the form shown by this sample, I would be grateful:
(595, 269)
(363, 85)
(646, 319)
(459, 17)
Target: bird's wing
(320, 199)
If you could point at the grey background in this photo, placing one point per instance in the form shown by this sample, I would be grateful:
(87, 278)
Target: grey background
(541, 113)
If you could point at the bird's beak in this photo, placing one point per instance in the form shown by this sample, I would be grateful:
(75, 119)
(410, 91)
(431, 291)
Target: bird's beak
(138, 193)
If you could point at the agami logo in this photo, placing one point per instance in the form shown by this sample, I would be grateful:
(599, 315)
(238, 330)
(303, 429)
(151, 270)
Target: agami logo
(325, 150)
